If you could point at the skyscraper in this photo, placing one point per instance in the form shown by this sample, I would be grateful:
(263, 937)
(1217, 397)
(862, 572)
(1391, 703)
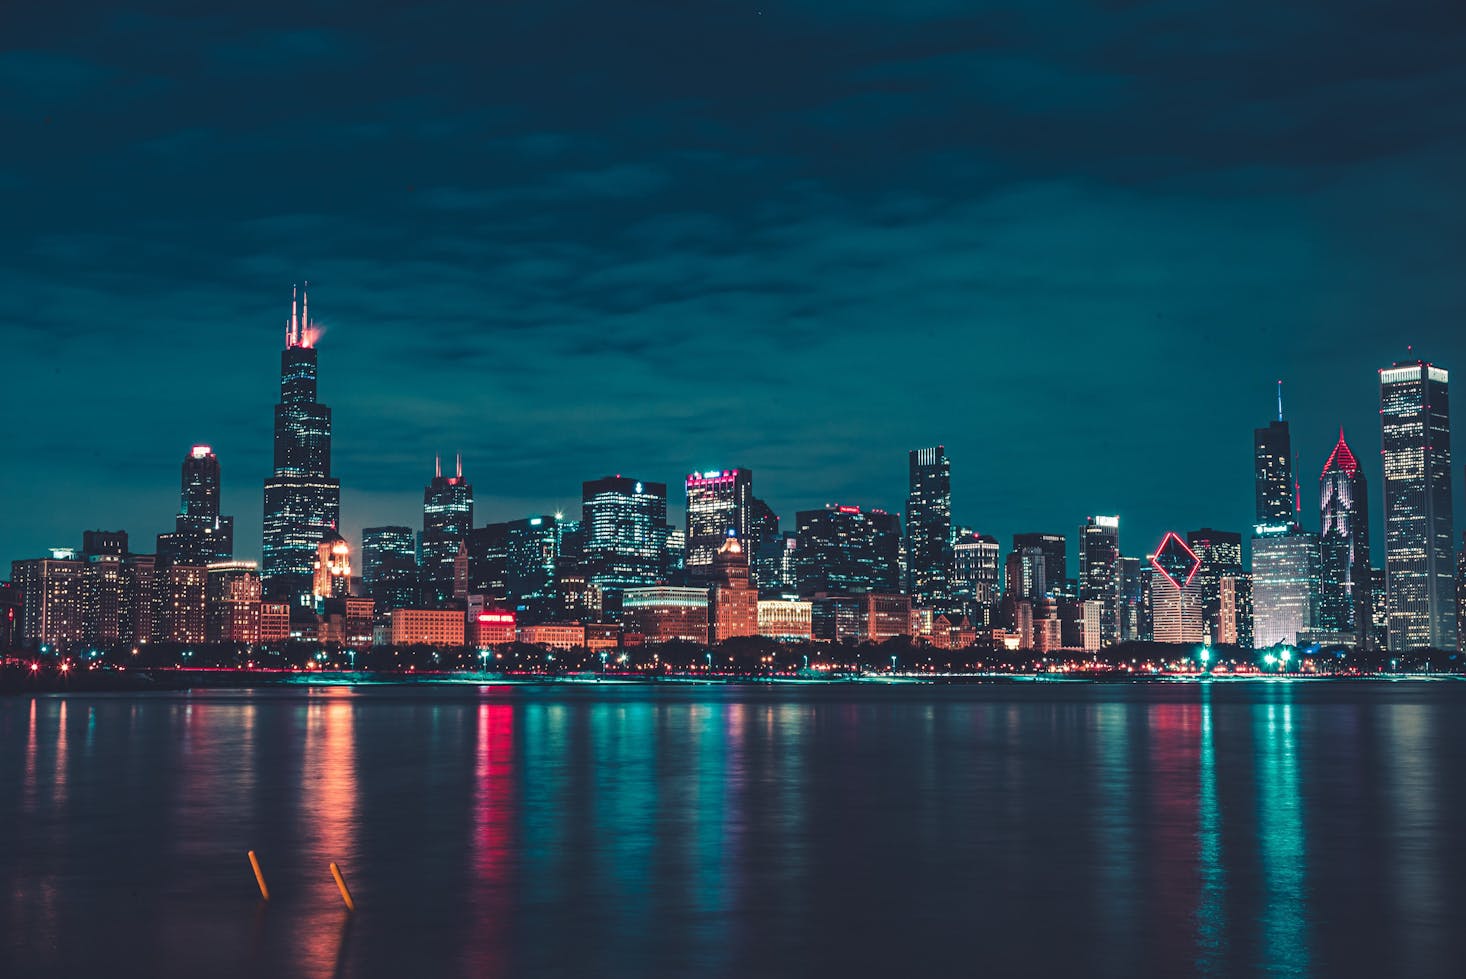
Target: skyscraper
(389, 567)
(200, 535)
(928, 526)
(732, 602)
(1099, 557)
(1415, 420)
(718, 501)
(624, 521)
(1273, 470)
(1220, 552)
(975, 576)
(302, 501)
(1284, 583)
(1176, 601)
(447, 516)
(1345, 603)
(843, 550)
(1056, 559)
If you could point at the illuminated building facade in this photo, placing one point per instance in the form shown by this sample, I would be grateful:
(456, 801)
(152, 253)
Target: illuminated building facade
(427, 626)
(232, 602)
(302, 500)
(624, 521)
(776, 567)
(1220, 553)
(11, 613)
(1284, 584)
(785, 619)
(201, 535)
(332, 570)
(928, 526)
(447, 517)
(1272, 455)
(842, 550)
(1175, 595)
(974, 578)
(860, 618)
(553, 635)
(51, 601)
(1099, 558)
(389, 567)
(493, 627)
(180, 604)
(733, 601)
(1344, 601)
(719, 501)
(1415, 421)
(664, 613)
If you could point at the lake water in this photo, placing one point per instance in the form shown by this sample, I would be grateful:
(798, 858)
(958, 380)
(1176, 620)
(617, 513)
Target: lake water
(1231, 828)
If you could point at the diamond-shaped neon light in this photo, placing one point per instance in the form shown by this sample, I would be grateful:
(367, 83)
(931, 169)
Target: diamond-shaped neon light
(1176, 560)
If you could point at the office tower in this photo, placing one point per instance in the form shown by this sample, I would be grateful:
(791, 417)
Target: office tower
(1175, 596)
(302, 500)
(1284, 584)
(1056, 559)
(332, 570)
(666, 613)
(1415, 421)
(1025, 574)
(624, 521)
(928, 526)
(1344, 601)
(732, 602)
(674, 553)
(763, 526)
(842, 550)
(200, 534)
(1273, 471)
(1220, 553)
(974, 575)
(776, 566)
(51, 597)
(447, 516)
(389, 567)
(488, 562)
(532, 557)
(1380, 614)
(1099, 557)
(1128, 598)
(718, 501)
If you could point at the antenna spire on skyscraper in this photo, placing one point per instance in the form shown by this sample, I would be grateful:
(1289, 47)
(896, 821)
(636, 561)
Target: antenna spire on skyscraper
(294, 318)
(437, 466)
(460, 465)
(1280, 399)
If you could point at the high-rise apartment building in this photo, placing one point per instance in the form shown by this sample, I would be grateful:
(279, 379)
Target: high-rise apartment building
(1415, 422)
(928, 527)
(447, 517)
(302, 500)
(1344, 601)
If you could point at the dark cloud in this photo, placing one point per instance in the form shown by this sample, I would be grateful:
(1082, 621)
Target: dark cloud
(1075, 241)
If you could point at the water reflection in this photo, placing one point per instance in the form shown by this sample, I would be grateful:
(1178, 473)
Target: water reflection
(1281, 836)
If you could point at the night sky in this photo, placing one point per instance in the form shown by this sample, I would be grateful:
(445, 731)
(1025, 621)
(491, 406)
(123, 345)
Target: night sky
(1075, 242)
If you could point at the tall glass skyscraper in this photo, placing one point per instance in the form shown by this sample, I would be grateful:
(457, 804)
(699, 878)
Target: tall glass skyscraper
(1284, 584)
(302, 501)
(1099, 557)
(624, 521)
(447, 516)
(200, 534)
(389, 567)
(1344, 601)
(1273, 472)
(843, 550)
(928, 527)
(1415, 422)
(718, 501)
(1055, 560)
(1225, 588)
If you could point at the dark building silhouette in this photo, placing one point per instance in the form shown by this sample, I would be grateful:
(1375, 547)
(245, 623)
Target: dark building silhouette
(1055, 563)
(389, 567)
(842, 550)
(1225, 588)
(1272, 453)
(201, 535)
(302, 500)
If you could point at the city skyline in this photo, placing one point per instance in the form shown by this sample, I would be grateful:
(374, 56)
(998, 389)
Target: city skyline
(1092, 244)
(495, 508)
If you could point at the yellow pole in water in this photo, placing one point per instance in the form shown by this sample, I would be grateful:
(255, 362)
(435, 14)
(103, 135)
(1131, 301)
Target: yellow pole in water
(254, 862)
(341, 886)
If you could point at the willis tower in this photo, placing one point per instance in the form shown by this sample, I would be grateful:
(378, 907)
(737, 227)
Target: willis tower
(302, 501)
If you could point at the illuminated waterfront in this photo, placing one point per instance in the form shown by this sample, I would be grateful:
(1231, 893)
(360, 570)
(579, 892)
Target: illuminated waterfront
(1156, 829)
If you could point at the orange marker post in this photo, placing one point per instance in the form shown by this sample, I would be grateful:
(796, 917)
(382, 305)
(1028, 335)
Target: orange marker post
(254, 862)
(341, 886)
